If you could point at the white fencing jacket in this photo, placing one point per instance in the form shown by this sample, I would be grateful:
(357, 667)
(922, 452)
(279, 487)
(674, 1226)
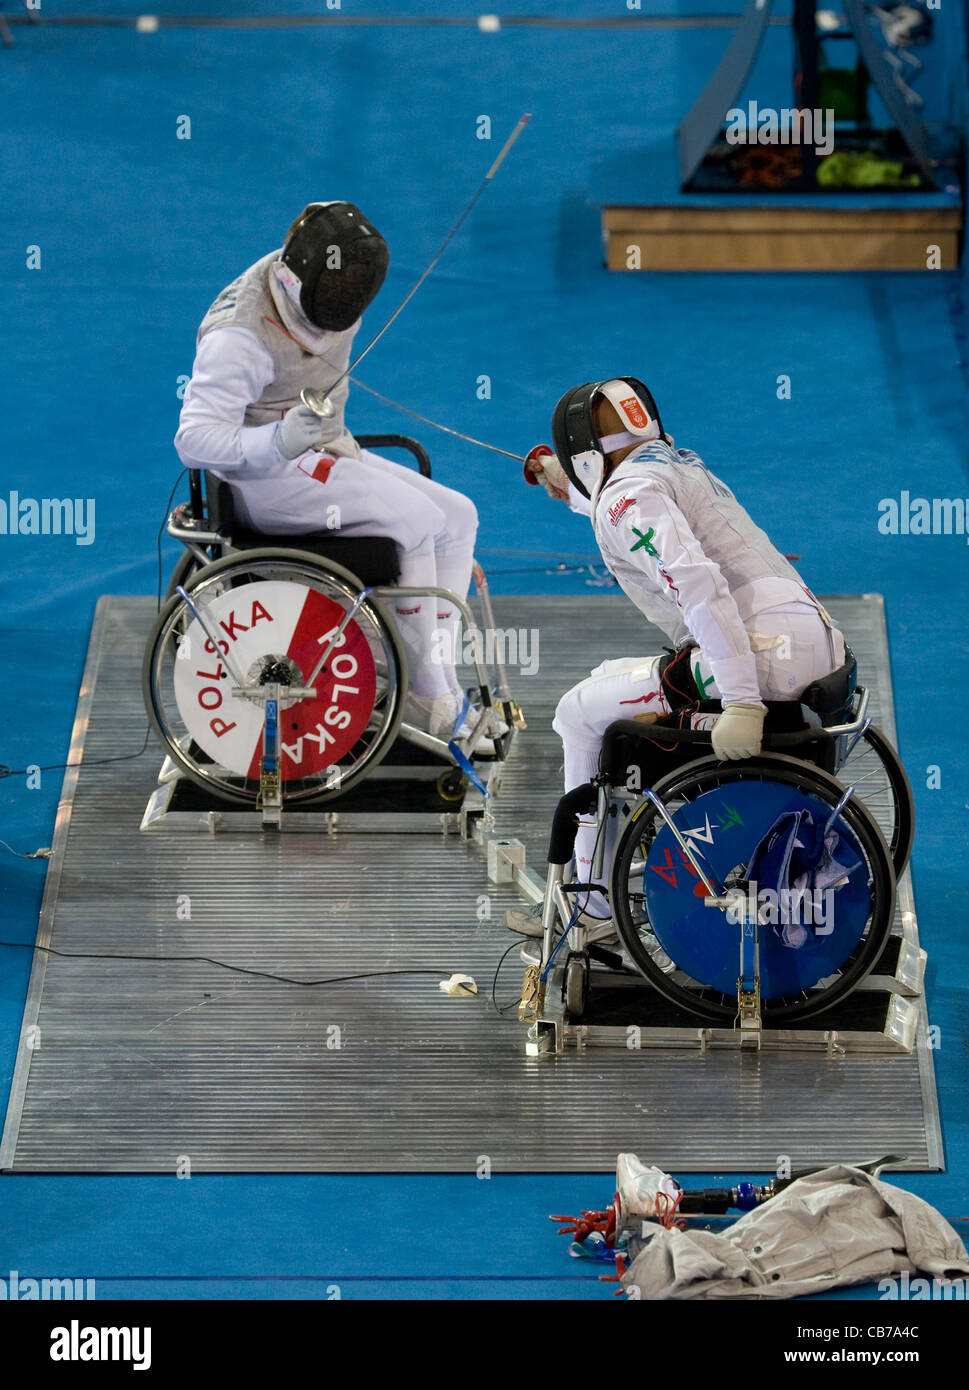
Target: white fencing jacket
(255, 352)
(691, 559)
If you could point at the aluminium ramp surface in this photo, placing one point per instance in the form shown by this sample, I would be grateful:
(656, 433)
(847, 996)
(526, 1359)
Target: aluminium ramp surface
(142, 1064)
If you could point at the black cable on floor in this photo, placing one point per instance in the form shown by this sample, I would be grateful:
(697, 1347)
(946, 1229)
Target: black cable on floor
(502, 1010)
(223, 965)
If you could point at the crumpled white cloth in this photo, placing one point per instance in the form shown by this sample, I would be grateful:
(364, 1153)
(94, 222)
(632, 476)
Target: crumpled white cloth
(637, 1187)
(836, 1227)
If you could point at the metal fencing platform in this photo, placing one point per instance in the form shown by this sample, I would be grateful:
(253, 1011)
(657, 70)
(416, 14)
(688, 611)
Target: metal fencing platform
(135, 1065)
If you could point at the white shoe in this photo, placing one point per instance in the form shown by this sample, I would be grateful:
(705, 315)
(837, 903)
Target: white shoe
(531, 950)
(485, 745)
(528, 922)
(525, 921)
(435, 714)
(496, 727)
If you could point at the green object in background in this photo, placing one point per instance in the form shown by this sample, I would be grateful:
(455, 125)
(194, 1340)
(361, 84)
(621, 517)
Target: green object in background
(864, 170)
(845, 92)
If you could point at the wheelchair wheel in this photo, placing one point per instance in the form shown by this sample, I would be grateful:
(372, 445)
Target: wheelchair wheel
(452, 785)
(576, 985)
(689, 952)
(873, 768)
(185, 567)
(275, 610)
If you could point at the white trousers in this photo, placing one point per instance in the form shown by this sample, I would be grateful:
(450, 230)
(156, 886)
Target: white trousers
(434, 527)
(792, 647)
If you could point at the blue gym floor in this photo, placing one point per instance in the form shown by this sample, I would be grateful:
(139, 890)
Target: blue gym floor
(138, 230)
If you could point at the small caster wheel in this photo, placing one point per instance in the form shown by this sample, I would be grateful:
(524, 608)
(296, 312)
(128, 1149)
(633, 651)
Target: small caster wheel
(577, 985)
(452, 785)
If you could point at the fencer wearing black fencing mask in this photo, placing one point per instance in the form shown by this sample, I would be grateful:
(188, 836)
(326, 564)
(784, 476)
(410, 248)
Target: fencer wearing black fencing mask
(340, 260)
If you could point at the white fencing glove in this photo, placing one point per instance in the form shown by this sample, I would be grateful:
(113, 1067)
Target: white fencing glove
(542, 466)
(299, 429)
(738, 732)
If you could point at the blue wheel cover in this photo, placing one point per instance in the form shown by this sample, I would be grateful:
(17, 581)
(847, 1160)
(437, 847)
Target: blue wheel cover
(722, 827)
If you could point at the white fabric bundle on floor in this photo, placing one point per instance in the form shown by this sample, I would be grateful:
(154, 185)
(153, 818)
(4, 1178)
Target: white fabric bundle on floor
(836, 1227)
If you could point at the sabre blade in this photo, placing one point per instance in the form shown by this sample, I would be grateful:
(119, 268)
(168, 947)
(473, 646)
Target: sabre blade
(519, 127)
(459, 434)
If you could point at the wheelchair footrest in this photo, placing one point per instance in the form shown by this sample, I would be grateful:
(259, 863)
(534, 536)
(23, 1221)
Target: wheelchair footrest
(869, 1020)
(376, 795)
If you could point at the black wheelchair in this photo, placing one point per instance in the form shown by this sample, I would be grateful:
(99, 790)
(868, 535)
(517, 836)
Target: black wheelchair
(758, 892)
(275, 676)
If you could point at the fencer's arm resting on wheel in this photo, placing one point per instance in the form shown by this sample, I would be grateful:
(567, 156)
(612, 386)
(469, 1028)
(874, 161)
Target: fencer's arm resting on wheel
(739, 731)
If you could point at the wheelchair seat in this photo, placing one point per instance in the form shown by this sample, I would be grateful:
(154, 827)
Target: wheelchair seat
(627, 743)
(373, 559)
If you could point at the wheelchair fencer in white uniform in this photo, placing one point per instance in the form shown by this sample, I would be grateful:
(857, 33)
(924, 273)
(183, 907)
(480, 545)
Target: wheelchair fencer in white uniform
(307, 525)
(750, 644)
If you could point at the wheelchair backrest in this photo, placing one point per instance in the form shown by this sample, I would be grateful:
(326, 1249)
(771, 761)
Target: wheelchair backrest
(830, 696)
(219, 507)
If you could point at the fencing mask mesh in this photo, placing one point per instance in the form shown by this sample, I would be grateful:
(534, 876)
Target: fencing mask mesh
(340, 259)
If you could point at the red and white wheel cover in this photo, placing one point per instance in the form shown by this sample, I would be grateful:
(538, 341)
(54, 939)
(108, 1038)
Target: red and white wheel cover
(279, 618)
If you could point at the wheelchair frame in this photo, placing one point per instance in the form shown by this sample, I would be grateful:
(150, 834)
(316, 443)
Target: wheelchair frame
(608, 795)
(190, 524)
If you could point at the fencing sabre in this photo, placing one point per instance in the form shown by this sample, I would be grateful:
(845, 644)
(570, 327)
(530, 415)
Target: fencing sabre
(319, 401)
